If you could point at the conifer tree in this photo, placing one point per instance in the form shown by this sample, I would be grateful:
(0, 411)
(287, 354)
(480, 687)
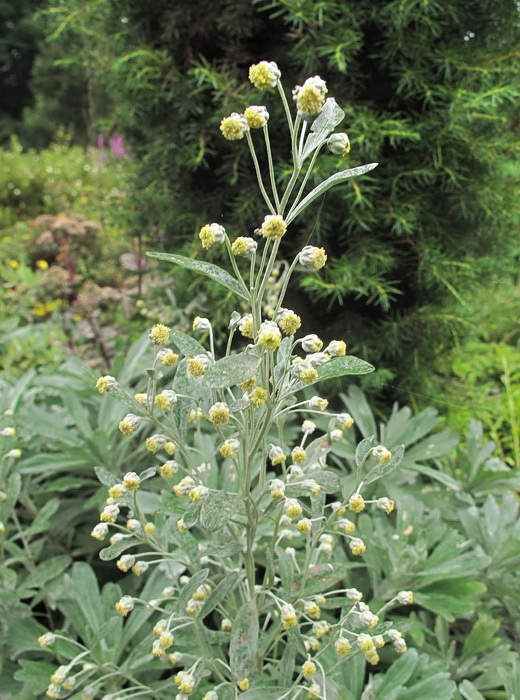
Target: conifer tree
(429, 88)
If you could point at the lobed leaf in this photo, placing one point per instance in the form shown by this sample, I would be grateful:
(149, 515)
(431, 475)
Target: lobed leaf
(218, 594)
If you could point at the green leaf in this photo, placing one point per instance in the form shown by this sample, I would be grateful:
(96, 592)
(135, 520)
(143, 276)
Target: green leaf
(354, 674)
(399, 673)
(285, 674)
(363, 449)
(327, 184)
(358, 406)
(286, 568)
(326, 479)
(37, 673)
(244, 641)
(226, 550)
(481, 637)
(384, 469)
(265, 692)
(469, 691)
(205, 268)
(192, 514)
(86, 594)
(46, 571)
(114, 550)
(14, 486)
(330, 116)
(436, 687)
(186, 344)
(339, 366)
(295, 637)
(232, 370)
(106, 477)
(218, 508)
(41, 522)
(189, 588)
(219, 593)
(444, 605)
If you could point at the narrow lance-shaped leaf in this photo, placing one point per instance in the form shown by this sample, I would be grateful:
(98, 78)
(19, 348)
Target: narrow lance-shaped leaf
(219, 593)
(327, 184)
(214, 272)
(189, 588)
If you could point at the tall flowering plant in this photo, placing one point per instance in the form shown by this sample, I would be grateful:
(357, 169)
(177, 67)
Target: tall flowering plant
(249, 530)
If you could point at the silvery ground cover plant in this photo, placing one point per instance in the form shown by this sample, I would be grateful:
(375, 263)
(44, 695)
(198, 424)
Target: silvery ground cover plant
(243, 527)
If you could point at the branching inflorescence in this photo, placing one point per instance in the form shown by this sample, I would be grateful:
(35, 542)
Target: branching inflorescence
(250, 532)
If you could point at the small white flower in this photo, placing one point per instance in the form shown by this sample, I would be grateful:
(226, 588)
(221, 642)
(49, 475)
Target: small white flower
(311, 343)
(318, 404)
(317, 358)
(201, 324)
(339, 144)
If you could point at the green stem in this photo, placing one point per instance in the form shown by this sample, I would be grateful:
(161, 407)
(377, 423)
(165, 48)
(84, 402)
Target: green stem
(271, 168)
(238, 275)
(304, 182)
(286, 107)
(259, 174)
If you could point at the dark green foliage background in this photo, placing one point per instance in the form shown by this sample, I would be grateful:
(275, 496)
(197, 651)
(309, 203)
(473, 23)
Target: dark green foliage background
(429, 91)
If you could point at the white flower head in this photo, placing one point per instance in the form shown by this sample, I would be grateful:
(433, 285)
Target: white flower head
(308, 427)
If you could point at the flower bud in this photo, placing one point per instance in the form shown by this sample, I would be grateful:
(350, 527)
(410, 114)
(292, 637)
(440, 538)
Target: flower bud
(201, 324)
(312, 258)
(339, 144)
